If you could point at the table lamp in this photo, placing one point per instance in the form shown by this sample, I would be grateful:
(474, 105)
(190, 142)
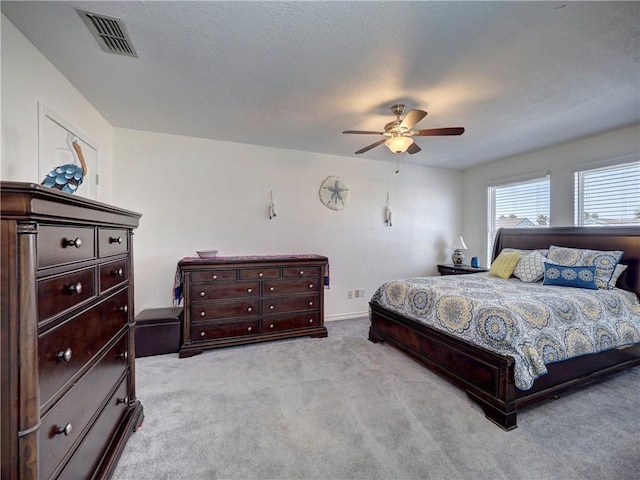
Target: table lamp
(458, 246)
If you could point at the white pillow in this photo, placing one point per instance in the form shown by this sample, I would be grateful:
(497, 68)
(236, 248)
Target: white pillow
(530, 268)
(616, 274)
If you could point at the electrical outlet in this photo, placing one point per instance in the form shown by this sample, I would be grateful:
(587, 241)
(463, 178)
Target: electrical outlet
(349, 294)
(361, 293)
(357, 293)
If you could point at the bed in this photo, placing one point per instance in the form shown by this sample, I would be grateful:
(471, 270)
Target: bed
(494, 380)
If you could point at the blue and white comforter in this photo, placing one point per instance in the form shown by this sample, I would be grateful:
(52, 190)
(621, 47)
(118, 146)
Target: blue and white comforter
(533, 323)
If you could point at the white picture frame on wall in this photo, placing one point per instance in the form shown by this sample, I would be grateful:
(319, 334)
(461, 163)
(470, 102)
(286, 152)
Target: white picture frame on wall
(53, 149)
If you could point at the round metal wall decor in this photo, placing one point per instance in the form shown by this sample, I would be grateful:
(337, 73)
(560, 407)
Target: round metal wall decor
(334, 193)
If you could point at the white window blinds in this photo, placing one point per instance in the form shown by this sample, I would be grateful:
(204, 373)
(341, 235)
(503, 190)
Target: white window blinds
(608, 196)
(518, 205)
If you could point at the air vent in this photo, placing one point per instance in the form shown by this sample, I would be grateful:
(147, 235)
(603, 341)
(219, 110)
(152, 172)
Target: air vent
(109, 32)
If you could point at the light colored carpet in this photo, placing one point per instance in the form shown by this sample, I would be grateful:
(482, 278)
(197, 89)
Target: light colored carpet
(344, 408)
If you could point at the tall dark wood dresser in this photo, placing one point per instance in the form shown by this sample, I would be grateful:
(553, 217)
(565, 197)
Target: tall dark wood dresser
(239, 300)
(67, 334)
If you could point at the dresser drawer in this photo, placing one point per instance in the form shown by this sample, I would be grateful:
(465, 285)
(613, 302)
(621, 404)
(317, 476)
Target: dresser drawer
(87, 458)
(290, 304)
(298, 285)
(112, 242)
(77, 408)
(289, 322)
(227, 309)
(60, 245)
(217, 291)
(65, 349)
(60, 293)
(259, 273)
(211, 275)
(225, 329)
(112, 274)
(302, 271)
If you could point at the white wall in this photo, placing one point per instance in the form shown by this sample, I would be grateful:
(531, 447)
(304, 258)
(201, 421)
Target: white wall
(198, 193)
(618, 146)
(28, 78)
(204, 194)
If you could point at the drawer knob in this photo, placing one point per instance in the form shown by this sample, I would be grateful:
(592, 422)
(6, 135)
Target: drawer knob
(311, 285)
(271, 307)
(271, 325)
(66, 430)
(118, 272)
(249, 290)
(123, 355)
(202, 314)
(310, 304)
(311, 320)
(202, 294)
(76, 242)
(249, 329)
(75, 288)
(301, 272)
(249, 309)
(215, 277)
(117, 240)
(64, 356)
(122, 400)
(271, 289)
(124, 308)
(261, 275)
(202, 334)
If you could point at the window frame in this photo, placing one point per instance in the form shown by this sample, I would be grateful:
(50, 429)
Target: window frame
(511, 182)
(579, 187)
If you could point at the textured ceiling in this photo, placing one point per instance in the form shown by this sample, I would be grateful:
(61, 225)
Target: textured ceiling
(518, 76)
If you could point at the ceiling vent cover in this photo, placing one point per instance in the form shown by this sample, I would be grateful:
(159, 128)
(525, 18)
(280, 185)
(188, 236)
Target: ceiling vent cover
(109, 32)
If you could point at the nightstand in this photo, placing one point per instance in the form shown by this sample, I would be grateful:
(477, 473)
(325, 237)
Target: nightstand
(451, 269)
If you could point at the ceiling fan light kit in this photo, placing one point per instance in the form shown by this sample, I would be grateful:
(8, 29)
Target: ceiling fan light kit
(399, 133)
(399, 144)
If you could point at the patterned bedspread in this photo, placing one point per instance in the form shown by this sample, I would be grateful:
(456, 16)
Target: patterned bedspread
(535, 324)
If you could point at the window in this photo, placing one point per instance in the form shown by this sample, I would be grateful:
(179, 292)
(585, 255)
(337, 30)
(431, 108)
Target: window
(518, 204)
(608, 196)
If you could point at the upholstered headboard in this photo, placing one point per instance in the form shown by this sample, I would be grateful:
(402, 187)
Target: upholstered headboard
(626, 239)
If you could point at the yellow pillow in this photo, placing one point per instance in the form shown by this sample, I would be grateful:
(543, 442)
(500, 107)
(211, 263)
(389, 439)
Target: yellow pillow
(504, 264)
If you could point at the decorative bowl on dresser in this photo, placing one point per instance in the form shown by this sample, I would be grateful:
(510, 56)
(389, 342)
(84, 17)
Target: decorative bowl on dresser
(240, 300)
(67, 334)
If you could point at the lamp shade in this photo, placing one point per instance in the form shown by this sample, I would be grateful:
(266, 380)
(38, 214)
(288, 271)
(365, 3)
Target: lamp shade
(459, 244)
(399, 144)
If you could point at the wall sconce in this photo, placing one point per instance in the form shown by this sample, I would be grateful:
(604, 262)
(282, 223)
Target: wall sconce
(458, 246)
(272, 208)
(387, 212)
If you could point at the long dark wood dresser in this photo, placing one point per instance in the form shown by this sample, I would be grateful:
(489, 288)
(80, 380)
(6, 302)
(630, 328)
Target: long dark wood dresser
(67, 347)
(240, 300)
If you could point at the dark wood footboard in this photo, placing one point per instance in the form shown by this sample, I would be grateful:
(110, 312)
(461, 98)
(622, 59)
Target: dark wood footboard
(487, 377)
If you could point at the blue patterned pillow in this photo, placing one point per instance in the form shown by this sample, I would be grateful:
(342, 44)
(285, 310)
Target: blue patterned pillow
(605, 262)
(579, 277)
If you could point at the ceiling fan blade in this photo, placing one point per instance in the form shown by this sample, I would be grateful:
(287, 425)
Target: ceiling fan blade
(412, 117)
(373, 145)
(413, 148)
(433, 132)
(366, 132)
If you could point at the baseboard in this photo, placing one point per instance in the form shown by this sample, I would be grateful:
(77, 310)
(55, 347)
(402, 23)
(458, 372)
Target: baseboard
(345, 316)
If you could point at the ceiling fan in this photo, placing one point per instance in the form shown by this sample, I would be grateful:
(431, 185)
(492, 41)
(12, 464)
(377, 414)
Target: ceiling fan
(399, 133)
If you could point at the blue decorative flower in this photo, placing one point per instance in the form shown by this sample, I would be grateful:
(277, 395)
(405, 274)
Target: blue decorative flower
(553, 273)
